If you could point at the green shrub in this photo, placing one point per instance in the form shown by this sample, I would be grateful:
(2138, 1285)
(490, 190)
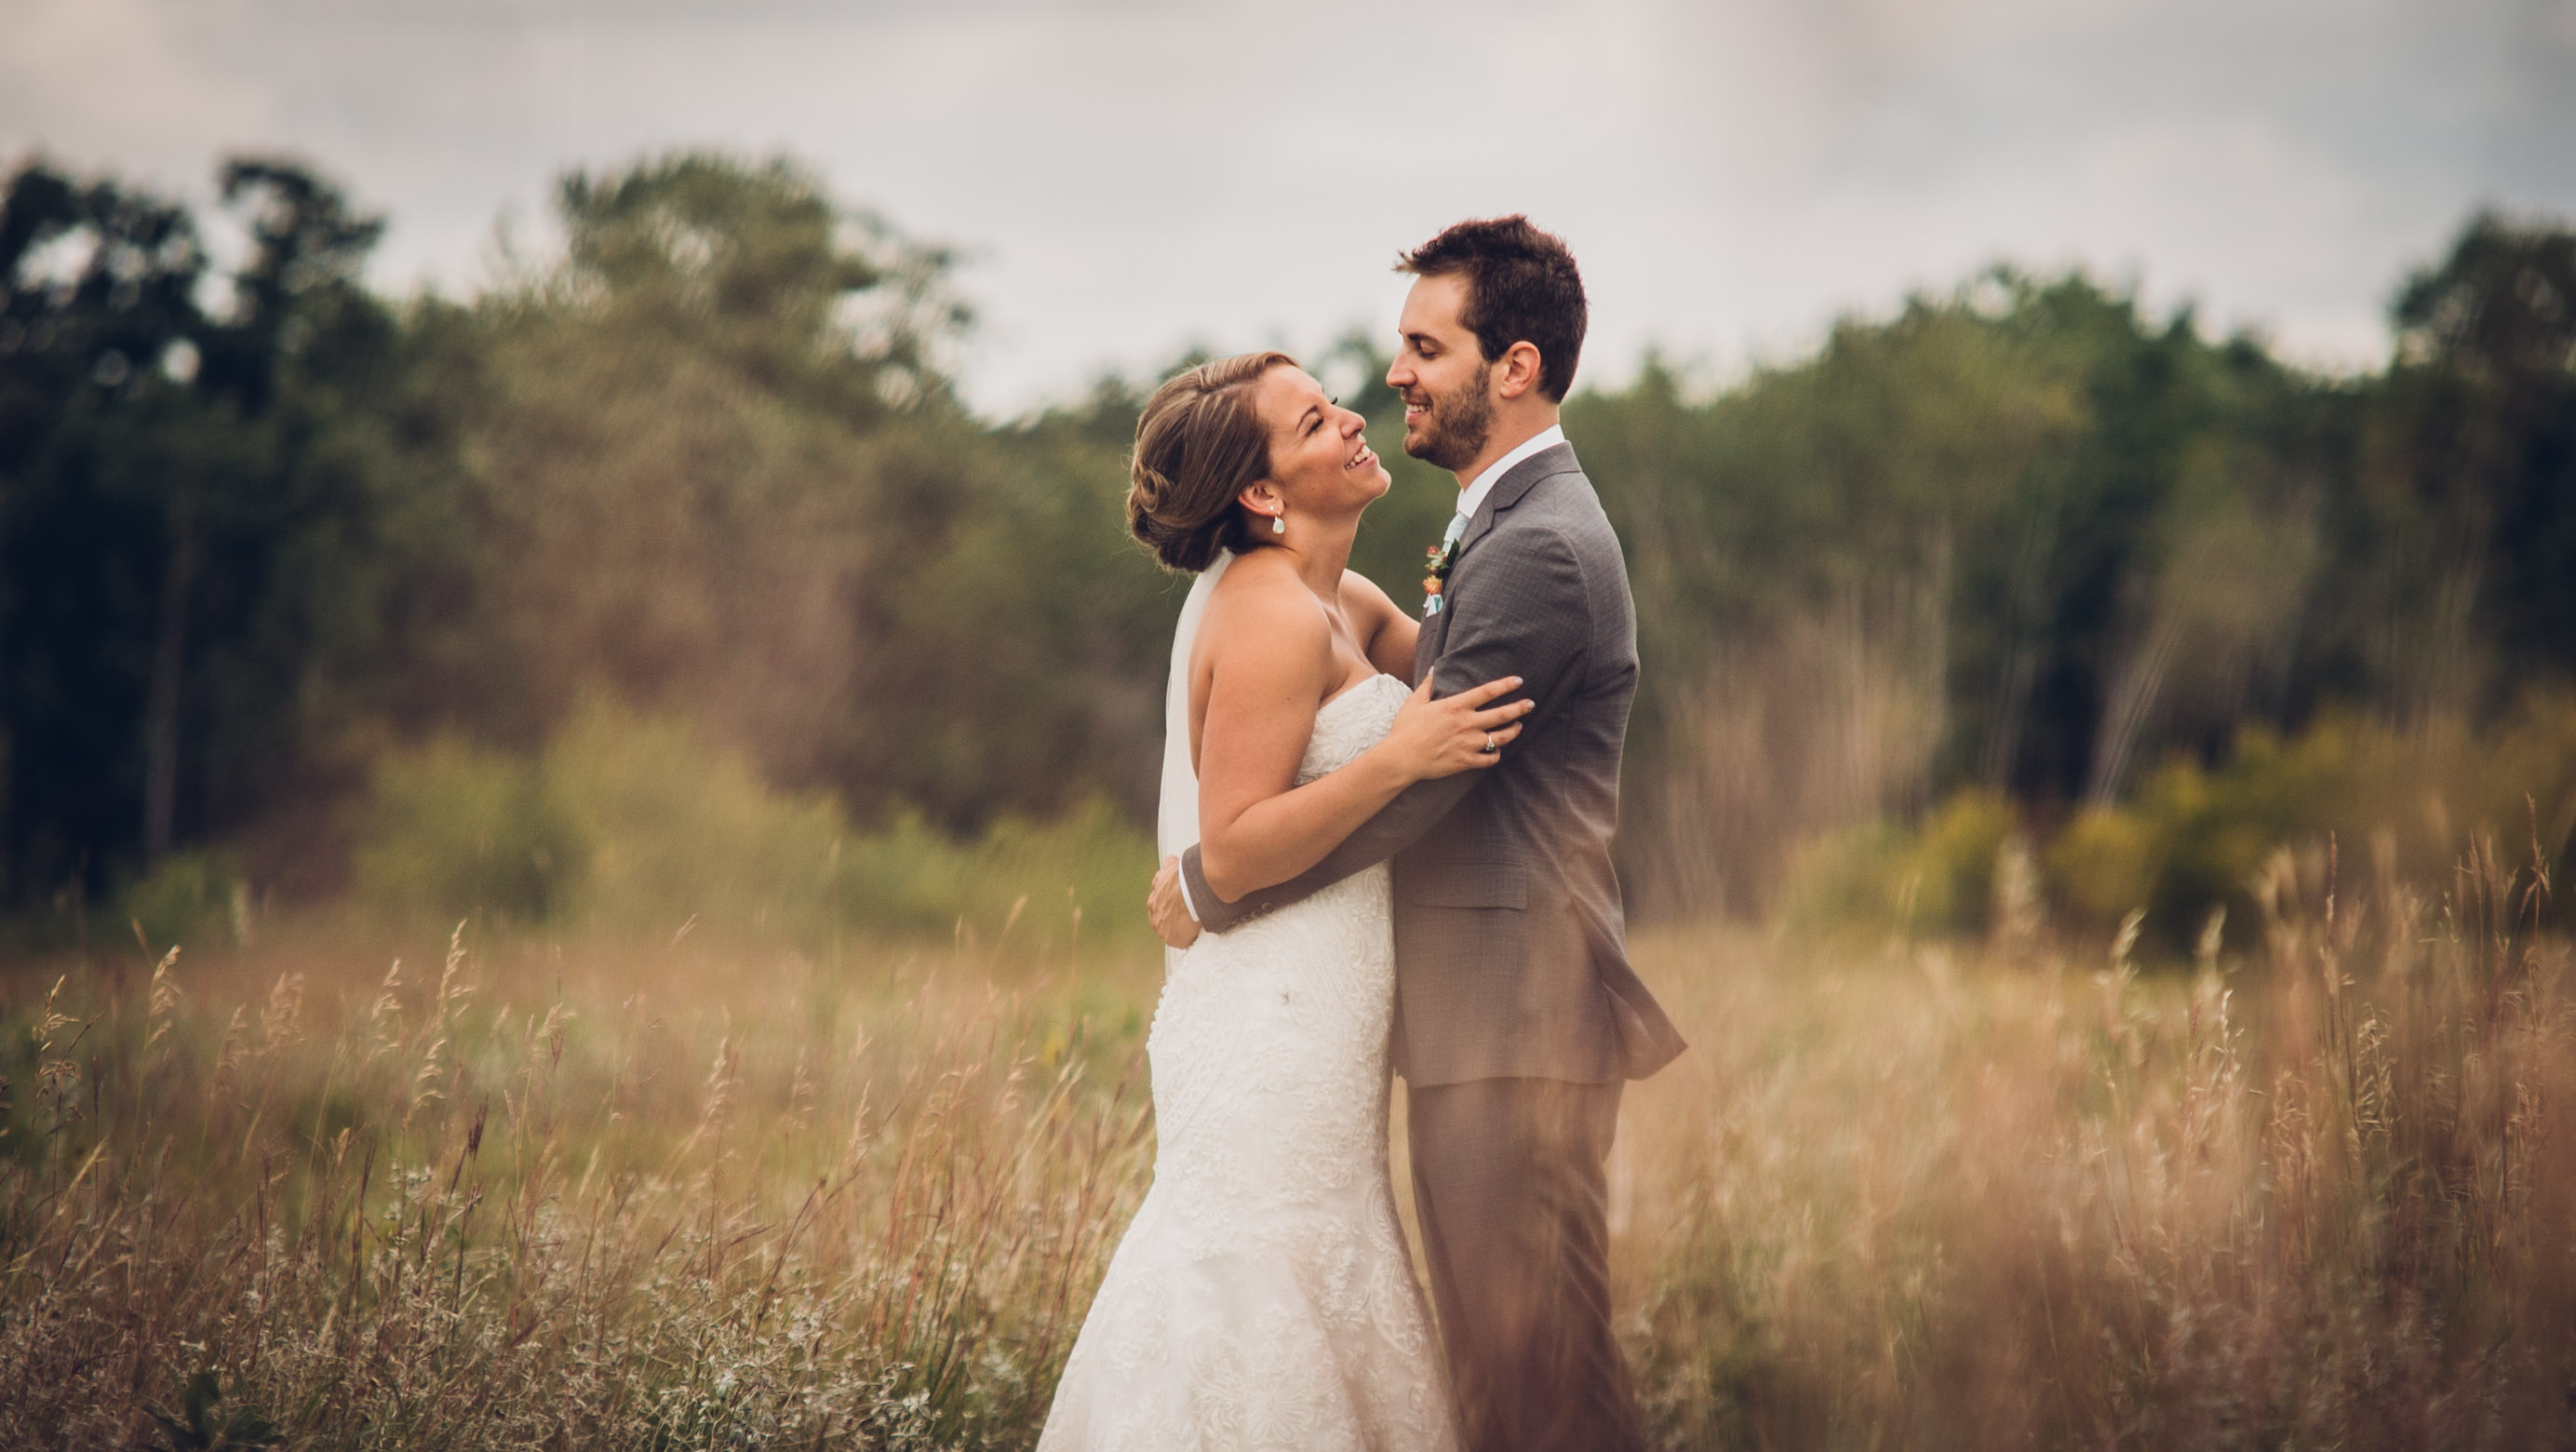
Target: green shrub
(2348, 796)
(1082, 875)
(1852, 878)
(637, 824)
(190, 898)
(453, 830)
(676, 832)
(1936, 879)
(1956, 853)
(2390, 805)
(1087, 869)
(2103, 863)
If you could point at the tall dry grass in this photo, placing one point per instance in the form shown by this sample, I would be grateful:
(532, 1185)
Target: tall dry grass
(686, 1196)
(2322, 1198)
(666, 1200)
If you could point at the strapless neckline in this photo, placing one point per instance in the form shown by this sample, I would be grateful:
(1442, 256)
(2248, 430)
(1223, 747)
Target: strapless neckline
(1353, 689)
(1350, 723)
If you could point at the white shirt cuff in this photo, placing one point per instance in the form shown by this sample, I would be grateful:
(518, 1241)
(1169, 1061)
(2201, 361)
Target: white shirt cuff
(1184, 881)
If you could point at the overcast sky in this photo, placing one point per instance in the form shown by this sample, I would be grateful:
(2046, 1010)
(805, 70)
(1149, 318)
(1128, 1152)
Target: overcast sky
(1129, 177)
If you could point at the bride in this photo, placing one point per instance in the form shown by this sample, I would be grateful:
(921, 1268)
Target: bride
(1263, 1296)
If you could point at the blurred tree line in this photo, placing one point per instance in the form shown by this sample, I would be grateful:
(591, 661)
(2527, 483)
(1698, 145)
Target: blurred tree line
(2024, 538)
(263, 530)
(258, 528)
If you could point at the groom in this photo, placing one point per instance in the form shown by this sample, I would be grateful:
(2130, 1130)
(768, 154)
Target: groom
(1517, 1016)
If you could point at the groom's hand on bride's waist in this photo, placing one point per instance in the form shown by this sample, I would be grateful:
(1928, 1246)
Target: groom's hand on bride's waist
(1169, 910)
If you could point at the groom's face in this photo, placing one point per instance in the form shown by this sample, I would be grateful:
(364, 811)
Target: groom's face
(1440, 371)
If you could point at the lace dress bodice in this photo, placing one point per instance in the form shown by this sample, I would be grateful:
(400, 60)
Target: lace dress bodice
(1351, 722)
(1263, 1296)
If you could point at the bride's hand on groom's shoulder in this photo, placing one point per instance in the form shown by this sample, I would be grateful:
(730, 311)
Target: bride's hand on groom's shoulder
(1436, 738)
(1169, 912)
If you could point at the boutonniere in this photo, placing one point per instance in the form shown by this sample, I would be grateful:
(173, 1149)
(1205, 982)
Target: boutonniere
(1441, 557)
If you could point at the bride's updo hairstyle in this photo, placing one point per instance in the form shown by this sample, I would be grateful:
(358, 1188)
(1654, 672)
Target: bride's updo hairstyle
(1199, 441)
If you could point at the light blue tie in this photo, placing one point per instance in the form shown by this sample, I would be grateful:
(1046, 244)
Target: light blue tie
(1448, 542)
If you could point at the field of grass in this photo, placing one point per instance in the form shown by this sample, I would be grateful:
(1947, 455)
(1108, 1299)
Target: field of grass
(677, 1194)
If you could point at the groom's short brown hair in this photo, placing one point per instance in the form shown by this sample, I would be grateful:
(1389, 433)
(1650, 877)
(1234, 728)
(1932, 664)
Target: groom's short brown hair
(1522, 287)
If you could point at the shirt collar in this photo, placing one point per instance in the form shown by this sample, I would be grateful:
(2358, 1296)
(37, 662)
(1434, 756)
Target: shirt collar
(1472, 498)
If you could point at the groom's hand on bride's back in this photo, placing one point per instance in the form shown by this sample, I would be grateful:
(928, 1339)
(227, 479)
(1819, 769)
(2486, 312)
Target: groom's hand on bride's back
(1169, 912)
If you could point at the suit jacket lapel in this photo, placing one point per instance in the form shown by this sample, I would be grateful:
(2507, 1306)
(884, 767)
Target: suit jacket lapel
(1508, 490)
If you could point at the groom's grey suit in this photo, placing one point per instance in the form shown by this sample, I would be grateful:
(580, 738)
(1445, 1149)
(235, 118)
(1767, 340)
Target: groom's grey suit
(1517, 1014)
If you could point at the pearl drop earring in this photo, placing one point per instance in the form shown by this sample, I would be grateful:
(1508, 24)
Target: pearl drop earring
(1279, 522)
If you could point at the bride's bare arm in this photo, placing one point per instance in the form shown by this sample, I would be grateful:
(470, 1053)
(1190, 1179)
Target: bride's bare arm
(1270, 664)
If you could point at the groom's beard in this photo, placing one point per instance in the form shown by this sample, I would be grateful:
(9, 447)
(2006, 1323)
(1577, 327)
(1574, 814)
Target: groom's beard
(1458, 427)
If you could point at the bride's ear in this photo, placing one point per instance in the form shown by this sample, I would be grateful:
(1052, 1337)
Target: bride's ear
(1262, 499)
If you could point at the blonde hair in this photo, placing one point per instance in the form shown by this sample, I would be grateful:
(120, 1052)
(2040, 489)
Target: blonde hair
(1199, 441)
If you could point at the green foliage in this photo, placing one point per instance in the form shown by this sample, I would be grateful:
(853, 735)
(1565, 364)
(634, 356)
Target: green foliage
(191, 897)
(2009, 538)
(2104, 864)
(2391, 808)
(1045, 879)
(1938, 879)
(671, 831)
(2474, 446)
(450, 829)
(2018, 538)
(1860, 876)
(756, 265)
(206, 519)
(637, 824)
(712, 471)
(2346, 806)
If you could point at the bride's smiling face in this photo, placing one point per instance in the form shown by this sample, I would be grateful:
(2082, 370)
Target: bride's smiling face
(1320, 462)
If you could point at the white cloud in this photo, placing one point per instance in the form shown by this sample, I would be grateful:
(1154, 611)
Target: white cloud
(120, 81)
(1133, 177)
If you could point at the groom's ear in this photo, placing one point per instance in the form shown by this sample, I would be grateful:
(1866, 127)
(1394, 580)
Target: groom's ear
(1517, 371)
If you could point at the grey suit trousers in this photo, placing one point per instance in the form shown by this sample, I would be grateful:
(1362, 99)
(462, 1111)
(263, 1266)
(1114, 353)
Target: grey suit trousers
(1509, 1185)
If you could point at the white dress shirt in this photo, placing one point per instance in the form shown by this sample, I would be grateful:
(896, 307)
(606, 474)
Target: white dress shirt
(1470, 499)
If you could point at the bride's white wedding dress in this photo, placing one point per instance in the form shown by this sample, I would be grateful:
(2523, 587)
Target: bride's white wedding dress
(1263, 1296)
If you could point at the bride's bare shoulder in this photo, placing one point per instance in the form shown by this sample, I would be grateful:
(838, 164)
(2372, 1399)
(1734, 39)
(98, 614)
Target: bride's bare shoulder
(1262, 607)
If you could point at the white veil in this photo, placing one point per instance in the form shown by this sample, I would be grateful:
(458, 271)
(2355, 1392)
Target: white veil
(1176, 825)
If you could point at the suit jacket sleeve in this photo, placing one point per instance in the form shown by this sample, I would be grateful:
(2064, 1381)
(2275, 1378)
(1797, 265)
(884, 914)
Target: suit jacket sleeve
(1531, 620)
